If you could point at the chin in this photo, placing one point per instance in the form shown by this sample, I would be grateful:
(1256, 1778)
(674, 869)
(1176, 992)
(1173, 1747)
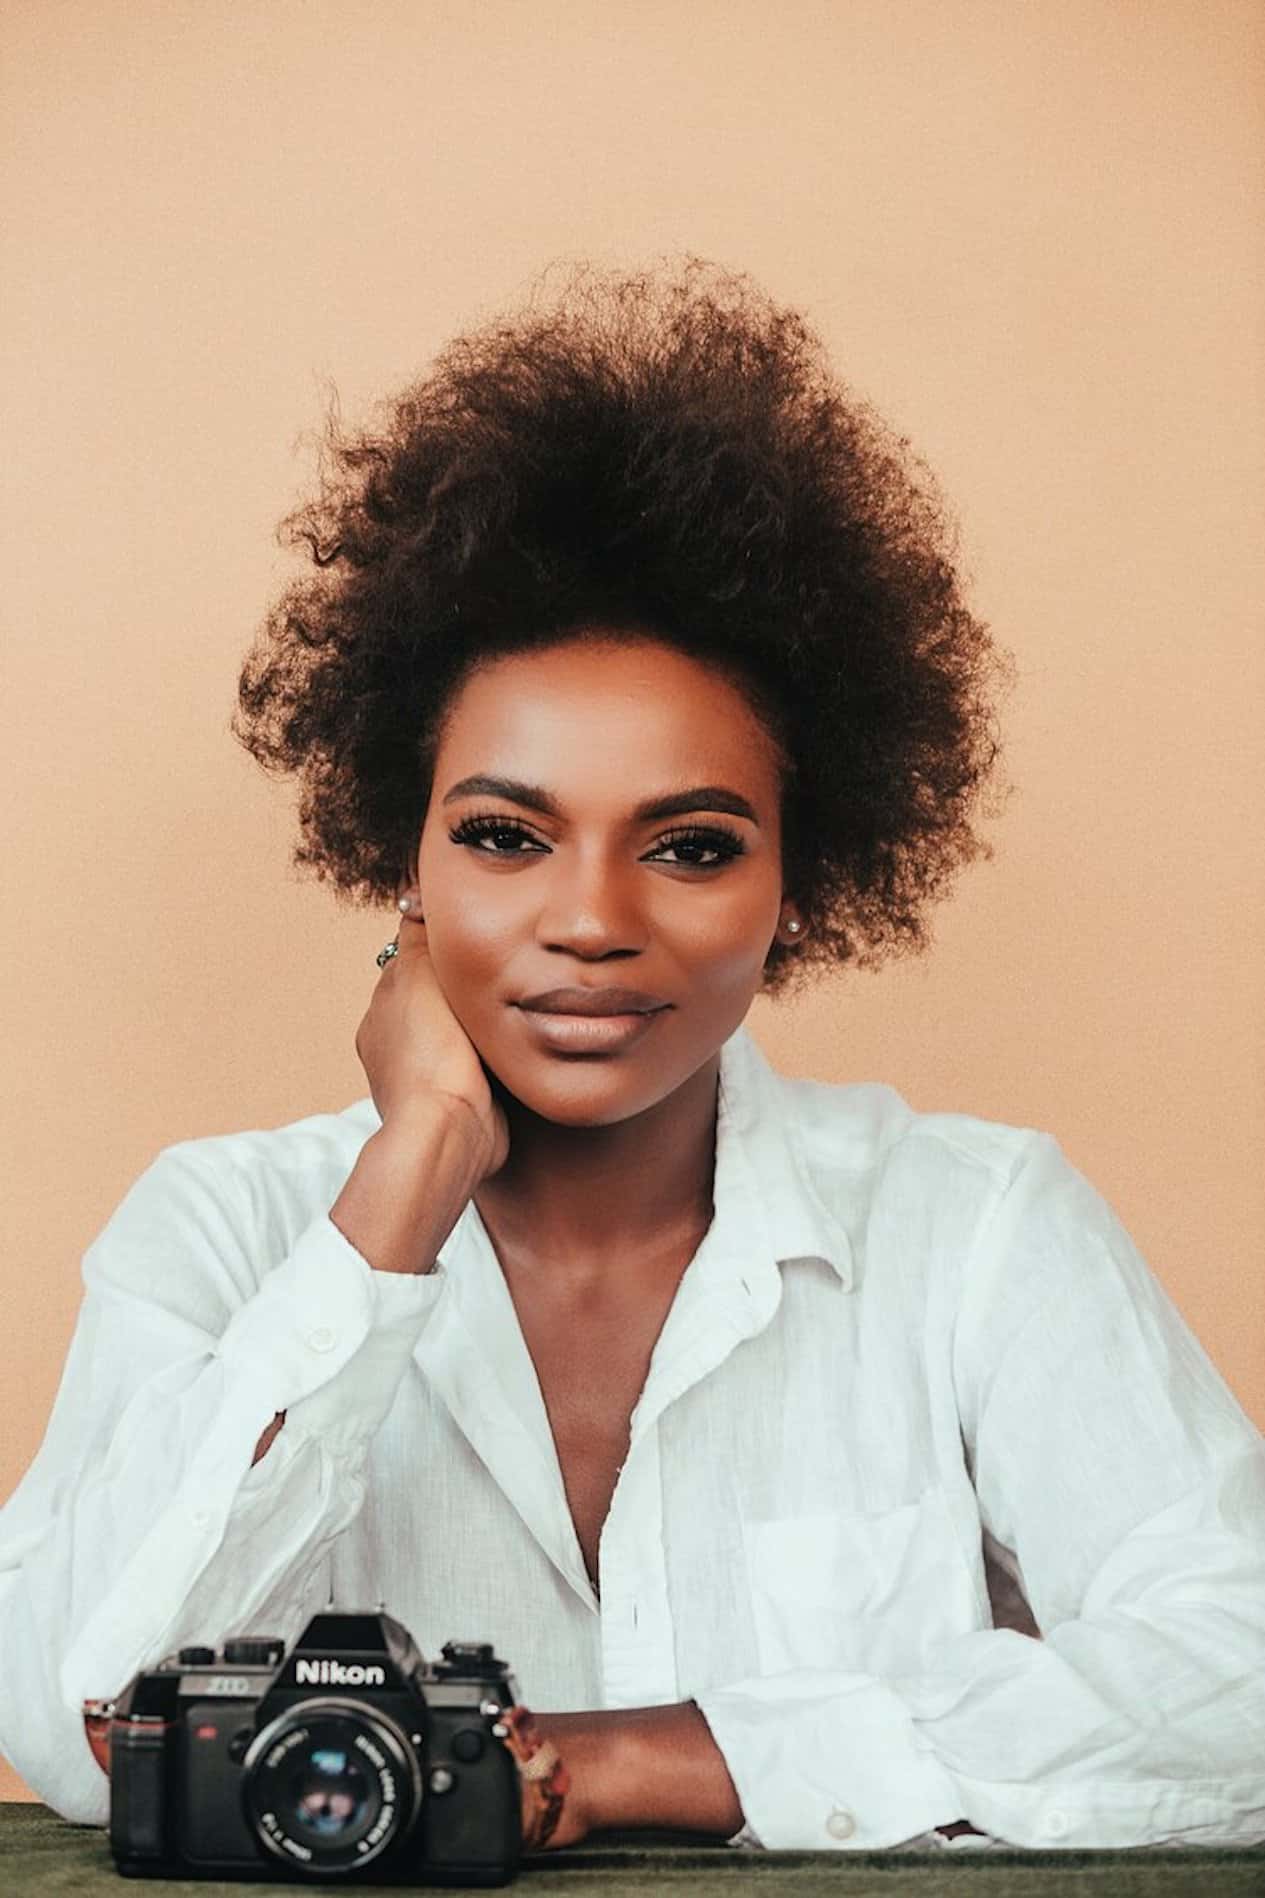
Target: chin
(574, 1091)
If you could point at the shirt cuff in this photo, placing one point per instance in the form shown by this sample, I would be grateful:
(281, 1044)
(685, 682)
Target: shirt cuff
(347, 1411)
(823, 1761)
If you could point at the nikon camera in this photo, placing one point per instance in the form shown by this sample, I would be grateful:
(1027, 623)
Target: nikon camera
(349, 1758)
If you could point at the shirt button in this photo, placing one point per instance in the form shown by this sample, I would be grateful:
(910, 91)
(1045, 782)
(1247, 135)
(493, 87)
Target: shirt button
(199, 1518)
(840, 1824)
(1056, 1824)
(321, 1338)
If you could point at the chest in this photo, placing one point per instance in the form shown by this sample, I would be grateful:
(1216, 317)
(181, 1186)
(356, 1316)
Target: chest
(778, 1507)
(591, 1356)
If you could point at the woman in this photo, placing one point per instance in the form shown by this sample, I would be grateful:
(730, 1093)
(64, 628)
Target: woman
(831, 1474)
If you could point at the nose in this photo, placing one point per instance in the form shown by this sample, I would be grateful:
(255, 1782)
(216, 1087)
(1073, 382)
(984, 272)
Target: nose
(590, 910)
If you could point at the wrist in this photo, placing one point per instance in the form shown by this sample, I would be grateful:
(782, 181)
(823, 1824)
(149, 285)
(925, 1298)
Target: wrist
(419, 1116)
(410, 1183)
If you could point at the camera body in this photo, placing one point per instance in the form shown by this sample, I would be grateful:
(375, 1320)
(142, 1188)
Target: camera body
(350, 1758)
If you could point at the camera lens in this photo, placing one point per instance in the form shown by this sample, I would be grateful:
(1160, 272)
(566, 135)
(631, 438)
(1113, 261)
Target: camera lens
(330, 1784)
(329, 1793)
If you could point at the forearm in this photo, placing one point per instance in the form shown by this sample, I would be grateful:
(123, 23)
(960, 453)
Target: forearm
(410, 1185)
(406, 1192)
(643, 1767)
(648, 1768)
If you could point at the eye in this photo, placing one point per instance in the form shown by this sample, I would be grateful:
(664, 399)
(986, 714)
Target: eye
(476, 831)
(472, 830)
(724, 845)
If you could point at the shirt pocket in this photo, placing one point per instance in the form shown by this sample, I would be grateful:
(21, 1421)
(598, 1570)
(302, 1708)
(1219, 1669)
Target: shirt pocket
(872, 1594)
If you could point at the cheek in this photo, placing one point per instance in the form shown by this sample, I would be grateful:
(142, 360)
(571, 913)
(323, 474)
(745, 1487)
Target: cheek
(734, 966)
(726, 938)
(472, 946)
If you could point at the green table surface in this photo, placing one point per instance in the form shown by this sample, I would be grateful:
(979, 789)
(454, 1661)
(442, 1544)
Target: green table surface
(40, 1854)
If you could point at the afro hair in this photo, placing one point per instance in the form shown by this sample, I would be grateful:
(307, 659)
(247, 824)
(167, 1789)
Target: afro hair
(662, 452)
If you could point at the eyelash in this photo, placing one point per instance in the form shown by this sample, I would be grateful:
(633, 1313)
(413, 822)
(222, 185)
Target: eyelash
(471, 829)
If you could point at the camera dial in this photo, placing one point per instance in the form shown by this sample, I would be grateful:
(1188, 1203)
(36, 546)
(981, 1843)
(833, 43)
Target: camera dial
(254, 1651)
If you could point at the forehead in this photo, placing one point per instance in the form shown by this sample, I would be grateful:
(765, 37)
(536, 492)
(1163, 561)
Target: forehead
(629, 714)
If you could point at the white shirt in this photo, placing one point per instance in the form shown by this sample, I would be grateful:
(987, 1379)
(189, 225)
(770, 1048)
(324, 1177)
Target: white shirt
(906, 1340)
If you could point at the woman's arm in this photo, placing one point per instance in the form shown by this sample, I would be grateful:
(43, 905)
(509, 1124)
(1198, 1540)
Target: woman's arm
(143, 1523)
(1108, 1454)
(649, 1767)
(411, 1182)
(641, 1767)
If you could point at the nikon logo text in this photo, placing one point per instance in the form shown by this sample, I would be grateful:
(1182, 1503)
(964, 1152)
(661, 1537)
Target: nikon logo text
(334, 1674)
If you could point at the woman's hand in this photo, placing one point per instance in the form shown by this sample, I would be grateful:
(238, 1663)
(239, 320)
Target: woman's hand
(553, 1808)
(414, 1050)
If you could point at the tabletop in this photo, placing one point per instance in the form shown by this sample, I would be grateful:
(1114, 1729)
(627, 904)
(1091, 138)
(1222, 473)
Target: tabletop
(41, 1854)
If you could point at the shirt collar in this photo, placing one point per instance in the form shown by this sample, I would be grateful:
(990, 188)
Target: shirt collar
(767, 1207)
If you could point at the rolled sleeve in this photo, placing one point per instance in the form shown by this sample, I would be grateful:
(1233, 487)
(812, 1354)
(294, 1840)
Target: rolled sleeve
(1112, 1463)
(326, 1339)
(142, 1524)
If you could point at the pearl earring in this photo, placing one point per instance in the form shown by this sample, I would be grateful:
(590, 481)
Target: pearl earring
(405, 903)
(793, 927)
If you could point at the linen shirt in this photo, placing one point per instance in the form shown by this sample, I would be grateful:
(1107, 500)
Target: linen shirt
(932, 1501)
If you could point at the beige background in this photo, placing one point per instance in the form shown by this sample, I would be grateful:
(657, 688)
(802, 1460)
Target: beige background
(1031, 233)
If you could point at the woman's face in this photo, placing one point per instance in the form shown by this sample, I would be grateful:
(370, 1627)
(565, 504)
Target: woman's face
(594, 892)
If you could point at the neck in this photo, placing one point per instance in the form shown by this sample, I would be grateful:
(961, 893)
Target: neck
(577, 1202)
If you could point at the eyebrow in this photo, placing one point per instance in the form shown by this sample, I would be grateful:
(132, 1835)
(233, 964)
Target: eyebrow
(700, 797)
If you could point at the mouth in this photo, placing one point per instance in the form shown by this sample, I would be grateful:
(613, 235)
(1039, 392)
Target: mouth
(585, 999)
(590, 1034)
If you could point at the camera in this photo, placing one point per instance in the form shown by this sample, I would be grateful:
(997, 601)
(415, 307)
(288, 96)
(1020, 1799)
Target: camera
(348, 1758)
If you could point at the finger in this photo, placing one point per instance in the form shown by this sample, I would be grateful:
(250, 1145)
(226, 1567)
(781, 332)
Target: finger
(412, 946)
(411, 936)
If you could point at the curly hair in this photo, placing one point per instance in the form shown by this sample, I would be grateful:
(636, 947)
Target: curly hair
(651, 454)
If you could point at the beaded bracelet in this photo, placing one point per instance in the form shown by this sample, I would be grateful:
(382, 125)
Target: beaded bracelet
(541, 1771)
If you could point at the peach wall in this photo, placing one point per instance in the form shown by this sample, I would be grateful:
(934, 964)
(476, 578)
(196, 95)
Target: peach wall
(1032, 235)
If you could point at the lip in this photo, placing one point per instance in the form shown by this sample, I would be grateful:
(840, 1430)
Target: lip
(589, 1034)
(592, 1001)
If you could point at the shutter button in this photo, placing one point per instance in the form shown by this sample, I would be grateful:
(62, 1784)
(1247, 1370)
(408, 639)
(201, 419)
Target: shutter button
(321, 1338)
(840, 1824)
